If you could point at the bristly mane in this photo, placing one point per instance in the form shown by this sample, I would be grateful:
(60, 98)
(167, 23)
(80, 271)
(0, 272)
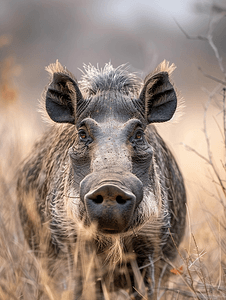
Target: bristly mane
(95, 80)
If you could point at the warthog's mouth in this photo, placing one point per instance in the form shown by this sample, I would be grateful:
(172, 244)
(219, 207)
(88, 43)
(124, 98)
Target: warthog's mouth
(110, 231)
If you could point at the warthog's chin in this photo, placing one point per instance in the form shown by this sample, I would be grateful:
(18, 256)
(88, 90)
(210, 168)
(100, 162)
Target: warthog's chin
(110, 231)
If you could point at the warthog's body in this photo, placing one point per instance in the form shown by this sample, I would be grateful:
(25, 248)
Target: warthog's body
(104, 188)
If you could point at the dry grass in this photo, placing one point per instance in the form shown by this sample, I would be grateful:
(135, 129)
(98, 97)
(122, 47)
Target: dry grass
(8, 70)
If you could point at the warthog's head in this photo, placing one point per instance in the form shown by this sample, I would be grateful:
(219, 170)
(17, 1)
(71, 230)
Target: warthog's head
(111, 158)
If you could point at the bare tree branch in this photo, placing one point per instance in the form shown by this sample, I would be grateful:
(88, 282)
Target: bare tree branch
(198, 37)
(212, 77)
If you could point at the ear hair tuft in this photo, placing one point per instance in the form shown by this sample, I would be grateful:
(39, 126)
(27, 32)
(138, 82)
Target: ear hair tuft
(164, 67)
(58, 68)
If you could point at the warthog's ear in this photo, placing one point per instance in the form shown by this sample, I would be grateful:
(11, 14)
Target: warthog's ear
(62, 95)
(158, 95)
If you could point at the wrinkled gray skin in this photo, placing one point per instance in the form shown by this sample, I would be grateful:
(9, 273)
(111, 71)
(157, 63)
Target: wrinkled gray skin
(104, 164)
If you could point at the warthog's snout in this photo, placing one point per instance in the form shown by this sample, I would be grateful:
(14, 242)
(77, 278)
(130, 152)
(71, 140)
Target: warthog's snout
(111, 203)
(110, 207)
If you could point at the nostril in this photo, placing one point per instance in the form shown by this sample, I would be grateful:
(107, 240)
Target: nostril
(120, 200)
(99, 199)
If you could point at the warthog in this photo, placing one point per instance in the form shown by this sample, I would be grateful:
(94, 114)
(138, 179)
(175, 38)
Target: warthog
(101, 192)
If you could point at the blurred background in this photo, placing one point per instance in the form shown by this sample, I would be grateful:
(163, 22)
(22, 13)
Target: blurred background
(141, 33)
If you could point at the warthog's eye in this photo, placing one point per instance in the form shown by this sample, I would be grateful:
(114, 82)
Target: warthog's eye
(84, 137)
(82, 134)
(138, 137)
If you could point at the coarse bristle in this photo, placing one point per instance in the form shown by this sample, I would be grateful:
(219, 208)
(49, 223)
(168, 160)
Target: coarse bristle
(98, 79)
